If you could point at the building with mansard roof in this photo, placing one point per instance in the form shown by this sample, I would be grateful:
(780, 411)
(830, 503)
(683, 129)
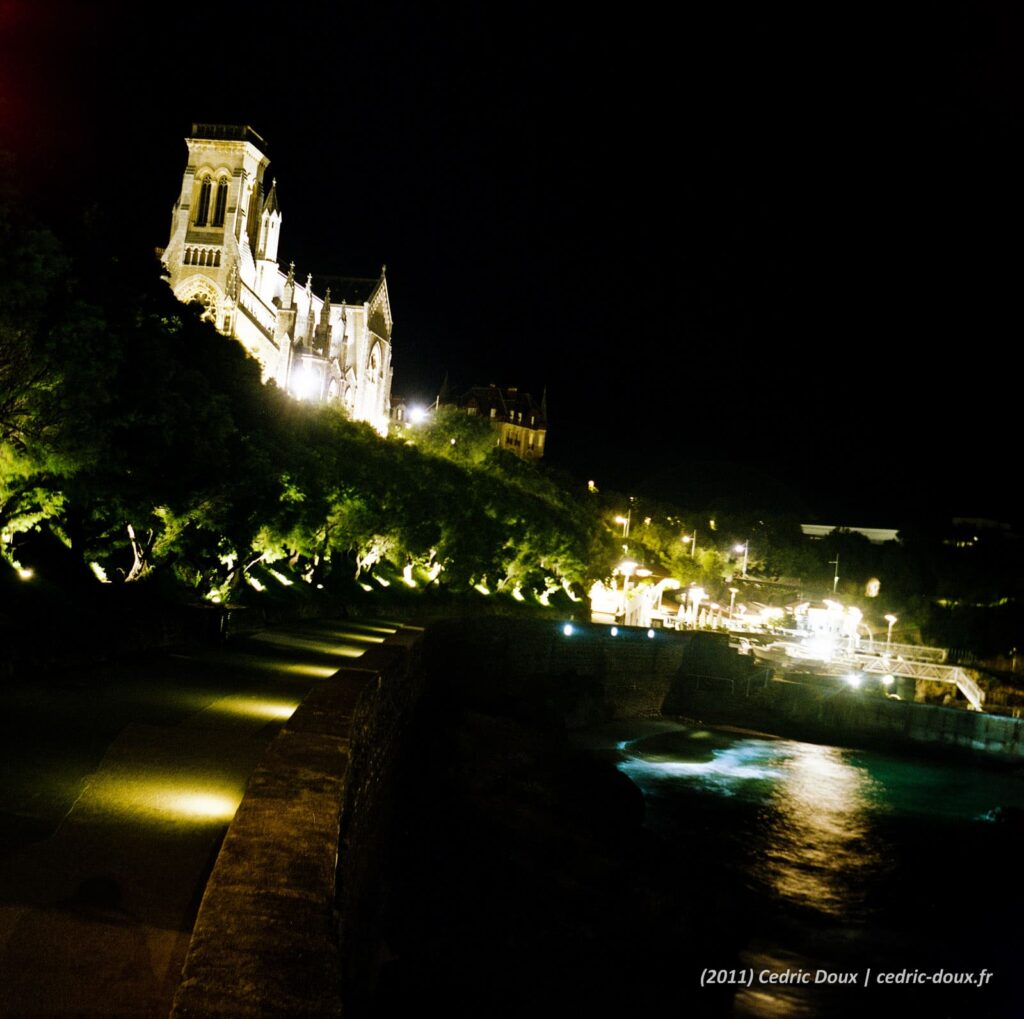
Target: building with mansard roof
(332, 346)
(519, 423)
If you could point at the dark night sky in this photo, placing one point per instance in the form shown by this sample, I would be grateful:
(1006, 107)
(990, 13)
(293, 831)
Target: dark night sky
(787, 242)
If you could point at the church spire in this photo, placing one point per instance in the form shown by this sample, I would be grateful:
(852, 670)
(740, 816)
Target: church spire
(310, 318)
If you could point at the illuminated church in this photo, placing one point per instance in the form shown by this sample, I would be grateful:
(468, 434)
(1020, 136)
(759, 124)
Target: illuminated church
(225, 228)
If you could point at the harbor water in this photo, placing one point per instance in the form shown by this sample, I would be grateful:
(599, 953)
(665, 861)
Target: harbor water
(830, 881)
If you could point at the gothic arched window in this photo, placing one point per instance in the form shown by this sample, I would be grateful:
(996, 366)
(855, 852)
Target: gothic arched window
(203, 205)
(221, 204)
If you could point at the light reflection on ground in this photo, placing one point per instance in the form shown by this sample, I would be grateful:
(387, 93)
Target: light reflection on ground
(163, 799)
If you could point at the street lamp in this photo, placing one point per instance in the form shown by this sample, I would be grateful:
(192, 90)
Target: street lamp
(891, 620)
(696, 595)
(626, 568)
(691, 540)
(835, 579)
(745, 549)
(733, 591)
(624, 520)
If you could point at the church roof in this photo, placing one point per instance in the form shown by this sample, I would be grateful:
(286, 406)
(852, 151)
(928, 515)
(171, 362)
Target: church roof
(271, 204)
(228, 132)
(348, 289)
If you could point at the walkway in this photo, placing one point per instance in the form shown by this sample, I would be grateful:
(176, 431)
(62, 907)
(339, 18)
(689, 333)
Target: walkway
(117, 787)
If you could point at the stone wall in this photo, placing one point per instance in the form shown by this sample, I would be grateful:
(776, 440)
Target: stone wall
(826, 710)
(296, 870)
(590, 675)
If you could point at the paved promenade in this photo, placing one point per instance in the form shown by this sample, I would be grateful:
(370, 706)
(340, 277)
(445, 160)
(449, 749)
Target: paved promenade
(117, 786)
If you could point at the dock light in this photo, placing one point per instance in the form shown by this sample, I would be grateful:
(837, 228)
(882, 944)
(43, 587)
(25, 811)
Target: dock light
(615, 631)
(892, 621)
(650, 633)
(852, 679)
(888, 680)
(567, 629)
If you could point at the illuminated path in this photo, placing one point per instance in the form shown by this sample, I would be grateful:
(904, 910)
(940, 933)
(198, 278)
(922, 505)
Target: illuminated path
(117, 786)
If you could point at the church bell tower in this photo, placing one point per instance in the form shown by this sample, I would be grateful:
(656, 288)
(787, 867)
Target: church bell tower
(217, 219)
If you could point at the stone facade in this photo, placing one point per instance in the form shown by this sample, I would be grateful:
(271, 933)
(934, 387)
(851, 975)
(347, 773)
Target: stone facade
(223, 253)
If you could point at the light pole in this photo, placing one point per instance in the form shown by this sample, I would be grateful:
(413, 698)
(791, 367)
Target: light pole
(696, 596)
(745, 549)
(891, 620)
(835, 579)
(733, 591)
(626, 568)
(624, 520)
(691, 540)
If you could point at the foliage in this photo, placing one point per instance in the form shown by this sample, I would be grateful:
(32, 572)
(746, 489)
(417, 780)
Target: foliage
(146, 445)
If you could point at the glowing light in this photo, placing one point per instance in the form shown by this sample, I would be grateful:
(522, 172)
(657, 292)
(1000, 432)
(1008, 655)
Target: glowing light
(482, 588)
(567, 629)
(888, 680)
(306, 383)
(255, 584)
(317, 671)
(382, 581)
(615, 631)
(280, 578)
(643, 572)
(418, 414)
(163, 799)
(207, 805)
(366, 587)
(252, 707)
(99, 573)
(407, 577)
(25, 574)
(626, 567)
(214, 596)
(325, 646)
(852, 679)
(650, 633)
(821, 648)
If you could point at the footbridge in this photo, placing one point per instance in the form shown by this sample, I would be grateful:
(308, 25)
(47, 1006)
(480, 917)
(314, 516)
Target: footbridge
(910, 660)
